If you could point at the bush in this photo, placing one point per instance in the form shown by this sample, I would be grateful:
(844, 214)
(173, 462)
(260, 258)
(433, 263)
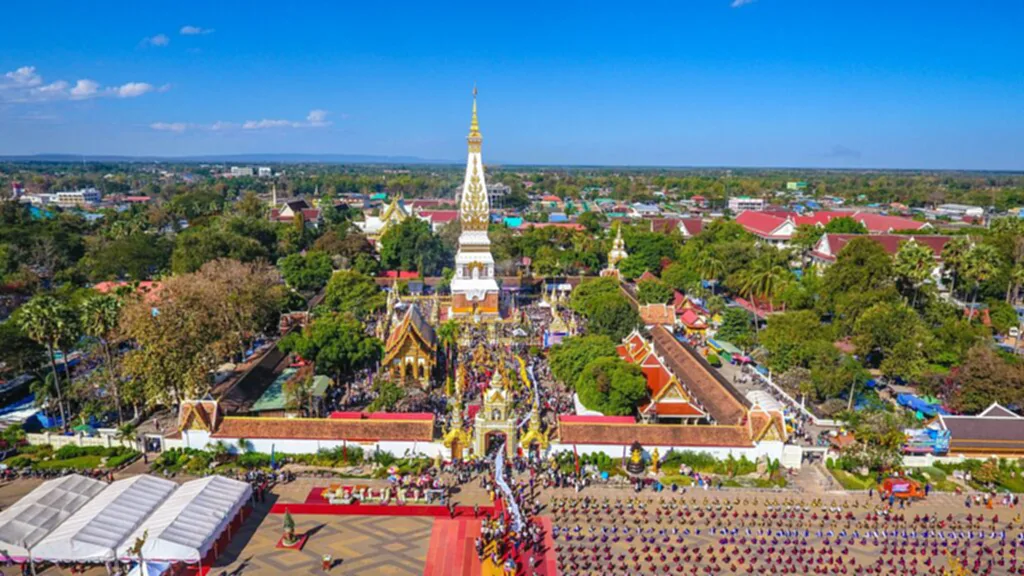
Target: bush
(253, 460)
(19, 462)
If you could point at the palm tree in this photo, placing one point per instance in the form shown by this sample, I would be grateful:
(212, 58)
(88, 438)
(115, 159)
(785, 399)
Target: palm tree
(763, 280)
(953, 256)
(913, 264)
(100, 317)
(710, 269)
(980, 264)
(1016, 281)
(448, 337)
(44, 320)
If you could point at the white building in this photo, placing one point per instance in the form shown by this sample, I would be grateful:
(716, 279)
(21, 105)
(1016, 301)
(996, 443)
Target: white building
(742, 203)
(78, 198)
(240, 171)
(960, 211)
(264, 172)
(496, 193)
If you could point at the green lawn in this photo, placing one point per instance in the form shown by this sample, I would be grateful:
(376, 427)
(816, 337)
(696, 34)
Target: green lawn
(79, 463)
(852, 481)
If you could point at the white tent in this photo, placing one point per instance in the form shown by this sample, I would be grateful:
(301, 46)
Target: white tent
(187, 524)
(94, 532)
(40, 511)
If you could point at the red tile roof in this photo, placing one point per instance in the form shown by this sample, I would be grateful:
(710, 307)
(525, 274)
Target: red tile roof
(439, 216)
(889, 242)
(400, 274)
(381, 416)
(690, 319)
(760, 223)
(362, 430)
(655, 435)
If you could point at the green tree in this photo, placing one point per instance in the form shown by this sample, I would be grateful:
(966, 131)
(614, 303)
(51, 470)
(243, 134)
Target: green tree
(569, 357)
(199, 245)
(913, 265)
(794, 339)
(613, 316)
(412, 246)
(136, 257)
(585, 295)
(736, 327)
(804, 240)
(653, 291)
(592, 221)
(680, 276)
(984, 378)
(336, 343)
(710, 268)
(612, 386)
(954, 256)
(349, 291)
(862, 266)
(100, 317)
(845, 225)
(17, 351)
(307, 272)
(49, 322)
(980, 264)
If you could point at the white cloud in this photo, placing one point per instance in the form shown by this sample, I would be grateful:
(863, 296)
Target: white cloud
(194, 31)
(85, 89)
(315, 119)
(158, 40)
(133, 89)
(25, 77)
(741, 3)
(26, 85)
(177, 127)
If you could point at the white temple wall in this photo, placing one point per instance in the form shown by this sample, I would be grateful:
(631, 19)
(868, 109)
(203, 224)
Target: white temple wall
(200, 440)
(772, 450)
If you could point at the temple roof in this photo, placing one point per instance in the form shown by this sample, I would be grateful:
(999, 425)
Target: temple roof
(352, 430)
(412, 324)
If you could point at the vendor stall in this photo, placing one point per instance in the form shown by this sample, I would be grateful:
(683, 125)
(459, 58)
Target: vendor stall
(97, 529)
(41, 511)
(188, 523)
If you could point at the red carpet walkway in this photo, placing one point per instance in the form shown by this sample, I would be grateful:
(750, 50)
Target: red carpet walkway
(451, 551)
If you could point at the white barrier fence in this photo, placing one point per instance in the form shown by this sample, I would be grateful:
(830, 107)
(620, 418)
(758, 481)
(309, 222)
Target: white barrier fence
(60, 440)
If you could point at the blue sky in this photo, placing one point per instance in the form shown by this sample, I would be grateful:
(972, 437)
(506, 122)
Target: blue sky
(844, 83)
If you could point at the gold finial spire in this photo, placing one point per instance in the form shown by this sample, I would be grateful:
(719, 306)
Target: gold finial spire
(474, 125)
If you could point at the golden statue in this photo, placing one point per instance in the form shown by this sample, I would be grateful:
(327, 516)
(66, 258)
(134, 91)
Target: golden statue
(636, 455)
(654, 460)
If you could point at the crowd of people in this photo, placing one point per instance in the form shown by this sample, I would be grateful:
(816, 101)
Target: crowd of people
(791, 536)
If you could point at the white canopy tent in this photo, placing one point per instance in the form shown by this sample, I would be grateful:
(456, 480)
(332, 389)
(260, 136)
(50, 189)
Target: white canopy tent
(186, 526)
(96, 531)
(41, 511)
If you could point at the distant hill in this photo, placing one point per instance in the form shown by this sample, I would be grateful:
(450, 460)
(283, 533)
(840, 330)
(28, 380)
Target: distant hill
(232, 158)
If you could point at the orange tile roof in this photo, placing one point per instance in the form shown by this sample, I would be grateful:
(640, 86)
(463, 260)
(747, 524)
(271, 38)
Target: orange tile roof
(655, 435)
(676, 409)
(657, 314)
(326, 429)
